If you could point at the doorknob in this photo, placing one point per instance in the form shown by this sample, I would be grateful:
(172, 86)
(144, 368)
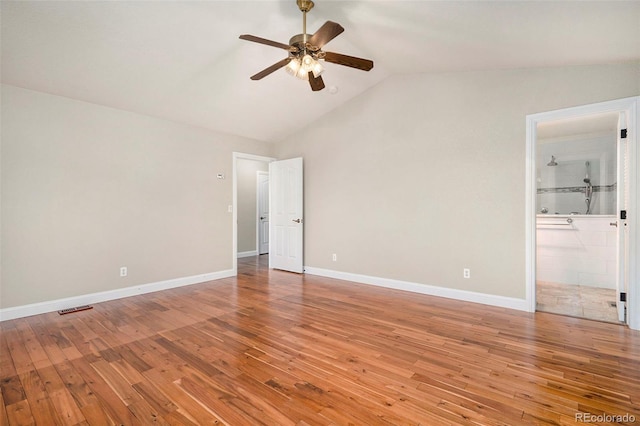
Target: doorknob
(297, 220)
(262, 218)
(613, 224)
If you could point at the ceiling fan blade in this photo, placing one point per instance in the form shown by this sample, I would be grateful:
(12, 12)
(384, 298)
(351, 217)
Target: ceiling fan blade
(265, 72)
(316, 83)
(349, 61)
(261, 40)
(325, 34)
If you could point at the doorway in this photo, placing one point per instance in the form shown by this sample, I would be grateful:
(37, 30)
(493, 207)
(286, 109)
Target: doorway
(246, 230)
(285, 224)
(576, 203)
(581, 234)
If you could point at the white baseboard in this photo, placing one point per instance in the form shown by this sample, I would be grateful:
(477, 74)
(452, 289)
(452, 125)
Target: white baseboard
(86, 299)
(449, 293)
(247, 253)
(55, 305)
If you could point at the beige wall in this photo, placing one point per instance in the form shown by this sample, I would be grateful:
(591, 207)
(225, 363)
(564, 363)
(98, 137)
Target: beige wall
(424, 174)
(88, 189)
(246, 171)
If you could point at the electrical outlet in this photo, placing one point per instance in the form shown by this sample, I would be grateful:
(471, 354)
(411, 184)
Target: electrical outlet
(335, 257)
(123, 271)
(466, 273)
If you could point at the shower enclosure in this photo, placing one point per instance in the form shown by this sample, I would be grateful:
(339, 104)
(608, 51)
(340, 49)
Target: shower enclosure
(577, 176)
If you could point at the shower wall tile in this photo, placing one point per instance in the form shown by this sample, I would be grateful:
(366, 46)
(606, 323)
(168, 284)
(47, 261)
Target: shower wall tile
(574, 263)
(596, 280)
(583, 253)
(560, 276)
(593, 238)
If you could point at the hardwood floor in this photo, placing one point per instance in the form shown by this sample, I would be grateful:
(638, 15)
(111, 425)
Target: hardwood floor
(274, 348)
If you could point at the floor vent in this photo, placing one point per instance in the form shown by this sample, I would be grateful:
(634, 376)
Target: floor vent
(76, 309)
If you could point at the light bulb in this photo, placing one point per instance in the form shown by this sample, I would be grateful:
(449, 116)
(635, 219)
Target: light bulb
(317, 69)
(293, 67)
(302, 74)
(308, 62)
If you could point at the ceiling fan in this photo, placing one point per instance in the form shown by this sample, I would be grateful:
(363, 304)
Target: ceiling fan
(305, 51)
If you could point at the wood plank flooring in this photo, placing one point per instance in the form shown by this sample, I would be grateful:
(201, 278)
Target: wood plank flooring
(273, 348)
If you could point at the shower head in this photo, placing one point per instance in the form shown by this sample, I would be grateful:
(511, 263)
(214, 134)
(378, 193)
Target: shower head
(552, 162)
(586, 177)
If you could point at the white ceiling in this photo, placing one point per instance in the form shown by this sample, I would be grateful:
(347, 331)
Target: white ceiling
(183, 60)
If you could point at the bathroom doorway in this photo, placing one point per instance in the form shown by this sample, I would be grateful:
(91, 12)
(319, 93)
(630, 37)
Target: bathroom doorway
(576, 203)
(581, 180)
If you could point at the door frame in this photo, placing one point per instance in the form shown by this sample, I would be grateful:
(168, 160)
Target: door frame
(258, 224)
(632, 108)
(234, 207)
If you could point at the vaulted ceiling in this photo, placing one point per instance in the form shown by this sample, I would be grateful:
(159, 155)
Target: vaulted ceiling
(183, 61)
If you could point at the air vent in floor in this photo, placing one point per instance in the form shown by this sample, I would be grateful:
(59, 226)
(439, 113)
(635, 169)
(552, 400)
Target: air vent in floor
(76, 309)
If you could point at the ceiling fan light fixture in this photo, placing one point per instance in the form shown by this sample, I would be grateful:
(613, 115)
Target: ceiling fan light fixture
(302, 74)
(305, 52)
(301, 68)
(297, 69)
(317, 69)
(307, 62)
(311, 64)
(293, 66)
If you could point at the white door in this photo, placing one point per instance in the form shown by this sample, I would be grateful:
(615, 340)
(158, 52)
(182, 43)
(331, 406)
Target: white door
(285, 189)
(263, 212)
(621, 222)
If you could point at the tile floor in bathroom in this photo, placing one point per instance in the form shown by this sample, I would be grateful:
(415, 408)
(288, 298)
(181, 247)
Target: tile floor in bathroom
(577, 301)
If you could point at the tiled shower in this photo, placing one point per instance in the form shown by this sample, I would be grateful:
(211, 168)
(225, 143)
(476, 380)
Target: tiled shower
(561, 183)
